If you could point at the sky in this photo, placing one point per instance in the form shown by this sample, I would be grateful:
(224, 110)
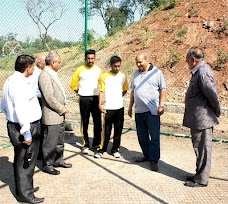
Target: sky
(15, 19)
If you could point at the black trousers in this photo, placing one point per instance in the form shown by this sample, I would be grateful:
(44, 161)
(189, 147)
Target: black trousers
(23, 174)
(115, 117)
(53, 145)
(89, 104)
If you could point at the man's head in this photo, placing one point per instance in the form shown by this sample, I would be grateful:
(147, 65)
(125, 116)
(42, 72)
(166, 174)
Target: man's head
(53, 61)
(115, 63)
(90, 57)
(40, 60)
(25, 64)
(141, 62)
(194, 56)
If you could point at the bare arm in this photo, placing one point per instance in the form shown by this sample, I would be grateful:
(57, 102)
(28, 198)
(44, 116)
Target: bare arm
(101, 100)
(161, 102)
(131, 103)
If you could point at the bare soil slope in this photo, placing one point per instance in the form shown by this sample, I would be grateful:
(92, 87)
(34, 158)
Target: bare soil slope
(167, 34)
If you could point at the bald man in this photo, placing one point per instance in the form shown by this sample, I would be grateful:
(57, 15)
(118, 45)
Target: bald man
(148, 93)
(202, 109)
(33, 79)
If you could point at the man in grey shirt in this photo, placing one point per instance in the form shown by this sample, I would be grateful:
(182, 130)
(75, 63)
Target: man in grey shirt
(202, 109)
(148, 93)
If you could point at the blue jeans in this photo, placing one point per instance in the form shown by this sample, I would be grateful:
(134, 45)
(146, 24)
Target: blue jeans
(148, 131)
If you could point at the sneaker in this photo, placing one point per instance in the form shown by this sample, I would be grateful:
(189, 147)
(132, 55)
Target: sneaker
(85, 150)
(116, 155)
(97, 155)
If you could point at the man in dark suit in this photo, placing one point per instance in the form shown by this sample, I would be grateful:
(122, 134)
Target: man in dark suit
(53, 115)
(202, 109)
(23, 114)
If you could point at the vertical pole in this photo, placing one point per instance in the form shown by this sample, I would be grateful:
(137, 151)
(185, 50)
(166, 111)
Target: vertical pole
(86, 26)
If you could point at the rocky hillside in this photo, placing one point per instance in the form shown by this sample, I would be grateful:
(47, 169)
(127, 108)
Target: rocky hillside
(166, 35)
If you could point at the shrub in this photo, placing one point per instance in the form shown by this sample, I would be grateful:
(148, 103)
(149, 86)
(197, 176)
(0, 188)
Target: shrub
(182, 32)
(172, 59)
(221, 60)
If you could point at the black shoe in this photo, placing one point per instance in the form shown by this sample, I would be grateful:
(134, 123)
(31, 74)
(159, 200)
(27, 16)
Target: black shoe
(189, 178)
(194, 184)
(36, 189)
(33, 200)
(51, 171)
(64, 165)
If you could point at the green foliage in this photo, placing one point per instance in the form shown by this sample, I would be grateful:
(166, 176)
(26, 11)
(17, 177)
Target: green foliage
(9, 45)
(172, 59)
(172, 3)
(224, 25)
(155, 4)
(169, 4)
(221, 60)
(102, 43)
(117, 14)
(182, 32)
(7, 63)
(115, 19)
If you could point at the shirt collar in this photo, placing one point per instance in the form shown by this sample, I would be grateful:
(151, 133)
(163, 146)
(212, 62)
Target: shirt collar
(195, 69)
(20, 74)
(52, 71)
(150, 68)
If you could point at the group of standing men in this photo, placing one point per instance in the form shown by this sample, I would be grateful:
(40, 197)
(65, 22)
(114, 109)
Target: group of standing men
(20, 102)
(101, 95)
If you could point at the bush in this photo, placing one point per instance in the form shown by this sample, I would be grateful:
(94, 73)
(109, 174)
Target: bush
(221, 60)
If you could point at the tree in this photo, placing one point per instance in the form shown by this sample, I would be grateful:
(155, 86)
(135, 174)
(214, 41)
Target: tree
(136, 9)
(115, 19)
(110, 11)
(91, 36)
(117, 13)
(44, 13)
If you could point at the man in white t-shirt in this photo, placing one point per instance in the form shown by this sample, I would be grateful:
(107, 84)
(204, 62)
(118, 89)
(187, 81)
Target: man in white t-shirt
(113, 87)
(85, 83)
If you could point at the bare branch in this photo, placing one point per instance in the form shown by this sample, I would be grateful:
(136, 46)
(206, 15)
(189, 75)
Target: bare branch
(45, 13)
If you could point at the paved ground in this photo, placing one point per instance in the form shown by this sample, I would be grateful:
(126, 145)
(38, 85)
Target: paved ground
(109, 180)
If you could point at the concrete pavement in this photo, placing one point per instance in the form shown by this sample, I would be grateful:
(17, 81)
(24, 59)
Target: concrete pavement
(110, 180)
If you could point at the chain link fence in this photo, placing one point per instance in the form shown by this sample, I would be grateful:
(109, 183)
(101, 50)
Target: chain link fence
(176, 78)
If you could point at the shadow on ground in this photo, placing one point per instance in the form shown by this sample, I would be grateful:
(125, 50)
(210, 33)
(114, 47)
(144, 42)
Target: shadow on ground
(6, 175)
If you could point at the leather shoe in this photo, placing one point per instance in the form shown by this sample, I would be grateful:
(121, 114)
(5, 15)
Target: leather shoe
(154, 166)
(64, 165)
(51, 171)
(33, 200)
(141, 159)
(194, 184)
(36, 189)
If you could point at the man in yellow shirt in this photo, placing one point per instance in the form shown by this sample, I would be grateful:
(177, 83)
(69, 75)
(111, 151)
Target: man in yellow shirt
(85, 83)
